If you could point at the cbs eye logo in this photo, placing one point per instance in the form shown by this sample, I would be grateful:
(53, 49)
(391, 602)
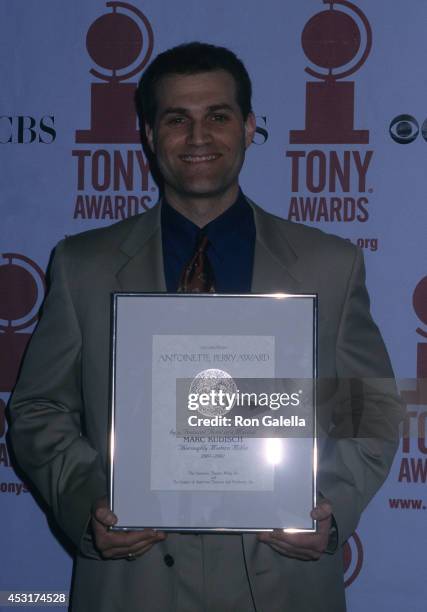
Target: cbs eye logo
(405, 128)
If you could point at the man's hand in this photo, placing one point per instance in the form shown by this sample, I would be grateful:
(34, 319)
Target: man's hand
(115, 544)
(304, 546)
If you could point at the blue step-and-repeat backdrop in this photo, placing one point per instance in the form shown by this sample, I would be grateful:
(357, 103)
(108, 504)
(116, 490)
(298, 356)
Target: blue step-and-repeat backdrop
(340, 96)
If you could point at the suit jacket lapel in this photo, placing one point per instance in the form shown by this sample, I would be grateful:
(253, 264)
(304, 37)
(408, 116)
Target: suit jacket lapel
(143, 268)
(274, 257)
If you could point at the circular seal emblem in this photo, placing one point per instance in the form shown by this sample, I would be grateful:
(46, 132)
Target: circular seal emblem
(214, 383)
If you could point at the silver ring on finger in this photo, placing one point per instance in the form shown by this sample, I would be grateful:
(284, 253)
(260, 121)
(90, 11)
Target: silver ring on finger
(130, 557)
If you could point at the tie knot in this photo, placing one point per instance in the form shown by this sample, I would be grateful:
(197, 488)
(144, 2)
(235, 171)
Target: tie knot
(197, 275)
(202, 243)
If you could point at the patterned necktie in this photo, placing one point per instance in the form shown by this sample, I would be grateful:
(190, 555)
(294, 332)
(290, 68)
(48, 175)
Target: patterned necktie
(197, 275)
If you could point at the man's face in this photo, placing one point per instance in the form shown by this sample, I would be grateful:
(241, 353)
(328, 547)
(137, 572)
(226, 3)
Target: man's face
(199, 135)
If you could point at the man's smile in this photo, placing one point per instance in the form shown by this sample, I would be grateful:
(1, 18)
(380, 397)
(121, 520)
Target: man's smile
(197, 159)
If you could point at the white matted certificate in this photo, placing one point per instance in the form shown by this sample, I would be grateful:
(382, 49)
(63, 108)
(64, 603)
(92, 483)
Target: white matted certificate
(213, 412)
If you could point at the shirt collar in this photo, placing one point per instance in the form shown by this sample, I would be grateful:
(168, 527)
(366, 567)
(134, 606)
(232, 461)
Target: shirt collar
(234, 224)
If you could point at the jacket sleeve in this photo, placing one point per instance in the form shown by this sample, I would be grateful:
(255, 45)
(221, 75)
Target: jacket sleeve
(358, 452)
(46, 412)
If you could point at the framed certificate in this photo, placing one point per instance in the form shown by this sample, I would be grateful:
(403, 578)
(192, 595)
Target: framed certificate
(213, 412)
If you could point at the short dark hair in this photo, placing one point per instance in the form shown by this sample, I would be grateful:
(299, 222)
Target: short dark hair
(192, 58)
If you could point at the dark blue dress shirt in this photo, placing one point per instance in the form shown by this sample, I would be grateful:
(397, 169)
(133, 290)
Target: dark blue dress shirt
(230, 252)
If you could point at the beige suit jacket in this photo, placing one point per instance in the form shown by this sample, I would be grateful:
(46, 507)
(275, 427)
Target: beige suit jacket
(59, 415)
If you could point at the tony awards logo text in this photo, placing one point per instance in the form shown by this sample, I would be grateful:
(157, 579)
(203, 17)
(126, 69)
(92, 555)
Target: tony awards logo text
(114, 181)
(330, 184)
(413, 466)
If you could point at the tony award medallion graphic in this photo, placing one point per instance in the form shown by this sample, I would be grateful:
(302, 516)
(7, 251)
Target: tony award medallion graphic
(22, 288)
(353, 559)
(419, 302)
(332, 40)
(122, 44)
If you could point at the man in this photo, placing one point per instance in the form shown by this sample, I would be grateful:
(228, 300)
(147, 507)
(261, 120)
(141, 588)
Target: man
(196, 104)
